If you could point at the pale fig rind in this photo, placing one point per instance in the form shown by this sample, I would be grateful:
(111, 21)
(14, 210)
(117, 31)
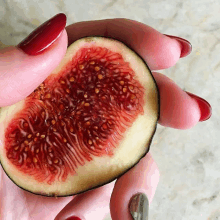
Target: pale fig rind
(97, 168)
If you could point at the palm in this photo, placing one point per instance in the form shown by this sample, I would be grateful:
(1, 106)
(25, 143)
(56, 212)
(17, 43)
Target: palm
(17, 203)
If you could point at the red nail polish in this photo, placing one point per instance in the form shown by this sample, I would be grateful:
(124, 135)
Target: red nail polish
(44, 35)
(186, 45)
(205, 107)
(73, 218)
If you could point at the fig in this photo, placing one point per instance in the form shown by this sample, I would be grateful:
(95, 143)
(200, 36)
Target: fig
(88, 123)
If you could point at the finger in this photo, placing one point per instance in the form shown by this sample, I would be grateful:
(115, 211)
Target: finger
(21, 71)
(142, 178)
(93, 204)
(177, 108)
(158, 50)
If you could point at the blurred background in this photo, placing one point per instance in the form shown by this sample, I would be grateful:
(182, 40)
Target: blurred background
(189, 160)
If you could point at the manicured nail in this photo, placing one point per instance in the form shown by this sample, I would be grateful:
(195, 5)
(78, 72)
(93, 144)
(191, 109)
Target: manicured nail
(186, 45)
(73, 218)
(44, 36)
(205, 107)
(139, 207)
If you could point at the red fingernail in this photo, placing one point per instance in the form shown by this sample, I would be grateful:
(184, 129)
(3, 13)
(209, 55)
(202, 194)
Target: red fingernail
(205, 107)
(186, 45)
(73, 218)
(44, 36)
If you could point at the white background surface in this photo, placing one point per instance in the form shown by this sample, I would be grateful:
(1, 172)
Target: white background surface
(189, 160)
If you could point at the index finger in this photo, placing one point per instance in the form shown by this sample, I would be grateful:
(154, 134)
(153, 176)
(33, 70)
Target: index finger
(159, 51)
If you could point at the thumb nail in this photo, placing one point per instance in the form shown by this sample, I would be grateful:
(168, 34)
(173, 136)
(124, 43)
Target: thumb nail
(44, 35)
(139, 207)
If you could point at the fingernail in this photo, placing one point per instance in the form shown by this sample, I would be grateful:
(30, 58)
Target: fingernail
(186, 45)
(139, 207)
(44, 36)
(73, 218)
(205, 107)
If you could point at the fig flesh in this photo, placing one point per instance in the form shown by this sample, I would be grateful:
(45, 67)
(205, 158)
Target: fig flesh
(88, 123)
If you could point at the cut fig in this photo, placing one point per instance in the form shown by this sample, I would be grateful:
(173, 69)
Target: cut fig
(88, 123)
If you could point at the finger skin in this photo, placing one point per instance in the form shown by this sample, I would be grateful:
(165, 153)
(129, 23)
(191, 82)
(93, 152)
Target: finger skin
(142, 178)
(159, 51)
(177, 109)
(93, 204)
(20, 73)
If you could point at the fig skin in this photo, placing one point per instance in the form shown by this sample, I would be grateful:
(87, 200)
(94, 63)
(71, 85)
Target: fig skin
(7, 115)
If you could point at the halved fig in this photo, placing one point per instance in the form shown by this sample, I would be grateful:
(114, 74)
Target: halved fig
(88, 123)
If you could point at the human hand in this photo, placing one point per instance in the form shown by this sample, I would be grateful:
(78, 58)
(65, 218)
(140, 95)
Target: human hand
(22, 73)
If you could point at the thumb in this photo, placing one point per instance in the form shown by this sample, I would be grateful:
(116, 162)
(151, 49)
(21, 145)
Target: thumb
(25, 67)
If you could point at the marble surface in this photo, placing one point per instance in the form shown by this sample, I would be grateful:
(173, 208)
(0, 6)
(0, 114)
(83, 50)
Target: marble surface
(188, 160)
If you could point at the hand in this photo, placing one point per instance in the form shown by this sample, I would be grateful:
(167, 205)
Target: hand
(21, 73)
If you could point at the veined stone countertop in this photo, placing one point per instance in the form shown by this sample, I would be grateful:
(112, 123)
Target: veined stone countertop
(189, 160)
